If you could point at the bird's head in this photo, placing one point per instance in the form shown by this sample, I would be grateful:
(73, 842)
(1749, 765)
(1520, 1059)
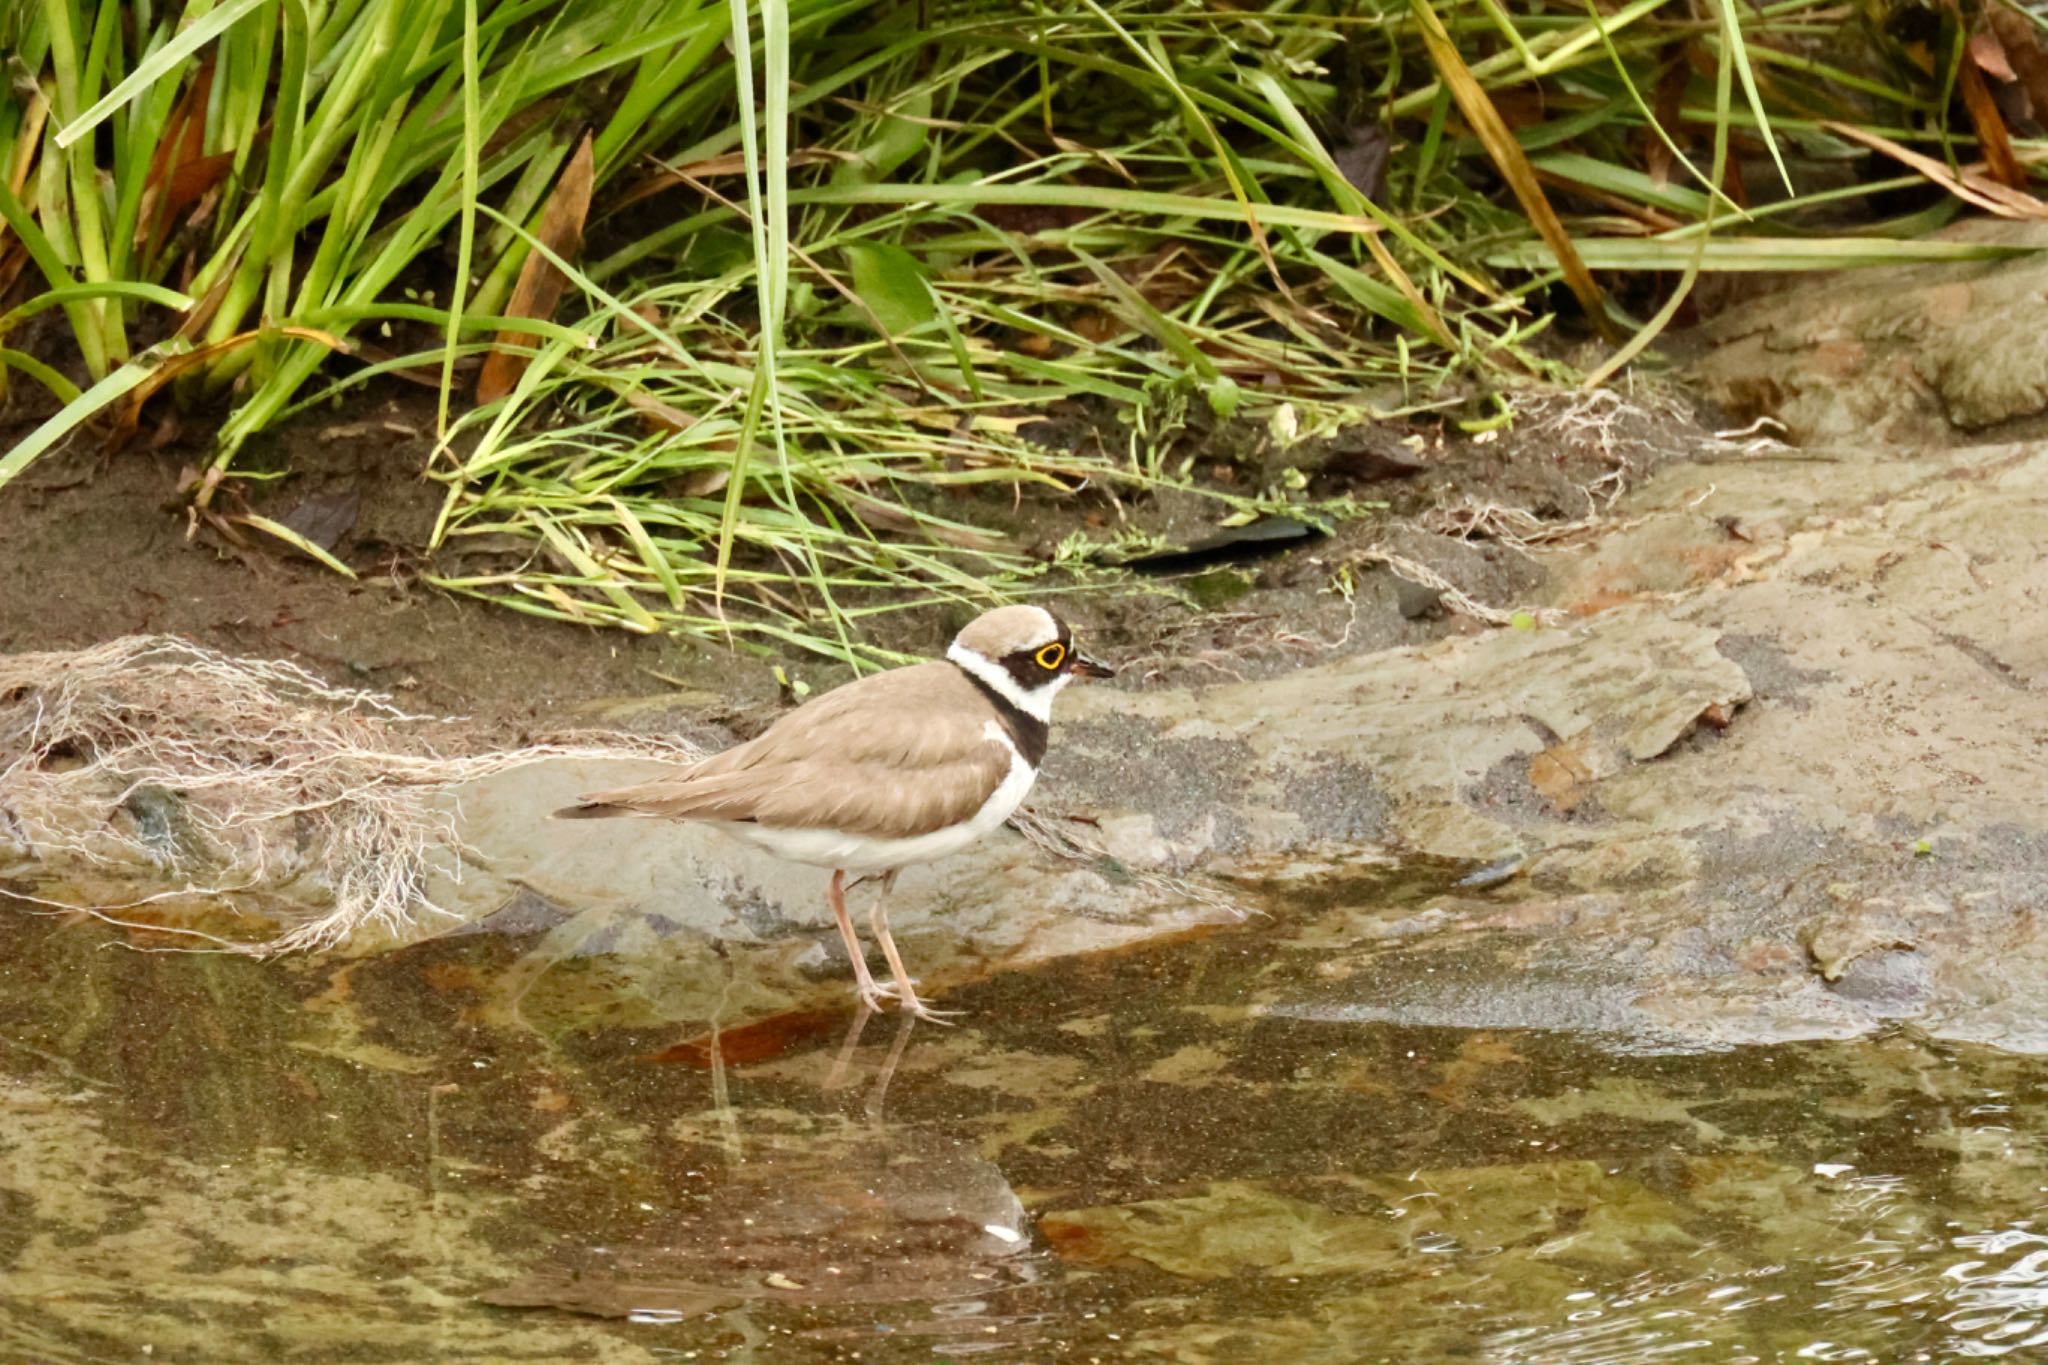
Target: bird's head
(1026, 654)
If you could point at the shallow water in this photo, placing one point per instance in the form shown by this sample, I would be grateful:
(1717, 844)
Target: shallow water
(472, 1150)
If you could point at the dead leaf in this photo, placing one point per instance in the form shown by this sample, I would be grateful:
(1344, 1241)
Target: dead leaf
(201, 313)
(128, 416)
(760, 1041)
(953, 422)
(1561, 776)
(13, 259)
(534, 115)
(2021, 47)
(34, 116)
(180, 172)
(169, 426)
(661, 416)
(1988, 52)
(1733, 185)
(1970, 186)
(1670, 112)
(1992, 135)
(1074, 148)
(193, 180)
(1255, 539)
(540, 284)
(703, 483)
(325, 518)
(1097, 326)
(1651, 219)
(1361, 158)
(1488, 125)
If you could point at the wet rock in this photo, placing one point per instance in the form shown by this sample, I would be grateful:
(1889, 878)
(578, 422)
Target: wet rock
(1894, 982)
(1570, 1211)
(1860, 800)
(1423, 724)
(1907, 354)
(1839, 940)
(1417, 601)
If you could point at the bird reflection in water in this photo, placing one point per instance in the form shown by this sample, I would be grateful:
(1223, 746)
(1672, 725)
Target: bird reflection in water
(832, 1226)
(842, 1064)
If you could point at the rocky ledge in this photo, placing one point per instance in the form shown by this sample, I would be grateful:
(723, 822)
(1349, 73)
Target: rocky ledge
(1777, 775)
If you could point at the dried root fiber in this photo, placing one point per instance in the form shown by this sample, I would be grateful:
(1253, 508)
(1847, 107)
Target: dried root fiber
(154, 762)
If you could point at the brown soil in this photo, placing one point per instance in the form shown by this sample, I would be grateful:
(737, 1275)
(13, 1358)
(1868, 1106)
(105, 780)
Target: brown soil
(96, 548)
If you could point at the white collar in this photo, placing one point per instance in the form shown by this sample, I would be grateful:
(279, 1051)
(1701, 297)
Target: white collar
(1036, 703)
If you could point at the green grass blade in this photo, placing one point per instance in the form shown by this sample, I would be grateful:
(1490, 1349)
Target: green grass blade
(158, 64)
(1738, 51)
(64, 295)
(66, 391)
(472, 174)
(295, 540)
(76, 413)
(1758, 254)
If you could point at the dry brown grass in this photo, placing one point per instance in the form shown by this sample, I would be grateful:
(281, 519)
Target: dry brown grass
(251, 782)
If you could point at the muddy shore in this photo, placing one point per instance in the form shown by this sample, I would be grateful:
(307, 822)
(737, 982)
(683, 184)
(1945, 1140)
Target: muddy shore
(1767, 766)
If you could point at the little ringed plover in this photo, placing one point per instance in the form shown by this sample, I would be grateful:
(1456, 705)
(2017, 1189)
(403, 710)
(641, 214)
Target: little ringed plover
(892, 769)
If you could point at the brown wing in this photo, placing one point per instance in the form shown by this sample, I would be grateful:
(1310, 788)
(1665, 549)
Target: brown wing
(893, 755)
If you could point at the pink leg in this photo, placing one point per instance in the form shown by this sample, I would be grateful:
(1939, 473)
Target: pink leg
(871, 994)
(906, 989)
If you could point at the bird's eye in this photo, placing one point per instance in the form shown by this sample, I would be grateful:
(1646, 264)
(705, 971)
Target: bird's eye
(1052, 656)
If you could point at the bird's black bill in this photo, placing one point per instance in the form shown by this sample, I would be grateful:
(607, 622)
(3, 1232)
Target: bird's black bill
(1085, 667)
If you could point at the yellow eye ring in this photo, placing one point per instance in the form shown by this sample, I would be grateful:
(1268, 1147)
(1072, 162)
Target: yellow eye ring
(1052, 656)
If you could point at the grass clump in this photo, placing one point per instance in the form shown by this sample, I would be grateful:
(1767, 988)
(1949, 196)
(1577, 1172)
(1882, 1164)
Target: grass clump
(827, 261)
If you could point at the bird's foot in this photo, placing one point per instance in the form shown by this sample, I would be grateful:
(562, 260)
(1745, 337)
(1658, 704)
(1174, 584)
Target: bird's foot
(874, 996)
(918, 1009)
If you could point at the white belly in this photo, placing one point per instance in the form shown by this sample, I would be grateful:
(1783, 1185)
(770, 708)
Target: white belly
(863, 854)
